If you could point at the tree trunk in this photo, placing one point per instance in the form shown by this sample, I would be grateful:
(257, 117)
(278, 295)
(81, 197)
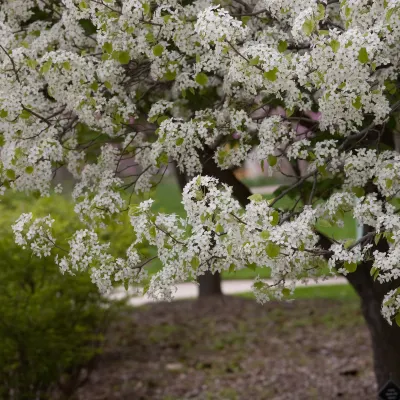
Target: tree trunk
(210, 284)
(385, 338)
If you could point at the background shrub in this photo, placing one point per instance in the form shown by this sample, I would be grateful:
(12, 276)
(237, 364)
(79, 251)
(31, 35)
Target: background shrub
(51, 325)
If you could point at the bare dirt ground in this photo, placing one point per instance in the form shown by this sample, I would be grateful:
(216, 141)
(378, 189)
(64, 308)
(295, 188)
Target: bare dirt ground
(234, 349)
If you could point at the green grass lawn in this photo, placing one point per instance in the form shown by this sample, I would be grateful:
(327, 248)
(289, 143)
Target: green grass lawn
(337, 292)
(168, 199)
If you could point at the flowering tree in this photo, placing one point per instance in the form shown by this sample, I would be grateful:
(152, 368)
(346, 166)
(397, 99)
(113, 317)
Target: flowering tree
(102, 86)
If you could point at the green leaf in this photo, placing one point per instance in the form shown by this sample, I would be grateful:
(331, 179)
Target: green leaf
(124, 57)
(272, 160)
(286, 292)
(275, 218)
(357, 103)
(158, 50)
(389, 14)
(289, 112)
(150, 37)
(335, 45)
(308, 27)
(391, 86)
(348, 243)
(350, 266)
(251, 266)
(376, 274)
(25, 114)
(322, 170)
(255, 61)
(389, 237)
(170, 75)
(31, 63)
(195, 263)
(321, 11)
(146, 8)
(161, 119)
(153, 231)
(83, 5)
(29, 169)
(46, 66)
(273, 250)
(358, 191)
(323, 223)
(3, 113)
(363, 55)
(258, 285)
(255, 197)
(232, 268)
(94, 86)
(162, 159)
(179, 141)
(219, 228)
(282, 46)
(66, 65)
(221, 156)
(87, 26)
(10, 174)
(199, 195)
(271, 74)
(108, 47)
(201, 78)
(265, 235)
(245, 19)
(377, 238)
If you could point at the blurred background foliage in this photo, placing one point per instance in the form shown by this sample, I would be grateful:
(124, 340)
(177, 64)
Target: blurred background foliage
(51, 325)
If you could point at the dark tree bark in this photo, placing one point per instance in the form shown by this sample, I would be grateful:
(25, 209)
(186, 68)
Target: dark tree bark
(385, 338)
(209, 283)
(240, 191)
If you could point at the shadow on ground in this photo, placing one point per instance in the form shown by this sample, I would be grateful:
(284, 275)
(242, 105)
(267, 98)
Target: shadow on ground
(233, 349)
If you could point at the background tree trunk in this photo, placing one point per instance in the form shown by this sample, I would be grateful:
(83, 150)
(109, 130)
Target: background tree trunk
(210, 284)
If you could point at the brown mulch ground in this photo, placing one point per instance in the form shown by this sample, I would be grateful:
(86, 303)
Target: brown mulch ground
(235, 349)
